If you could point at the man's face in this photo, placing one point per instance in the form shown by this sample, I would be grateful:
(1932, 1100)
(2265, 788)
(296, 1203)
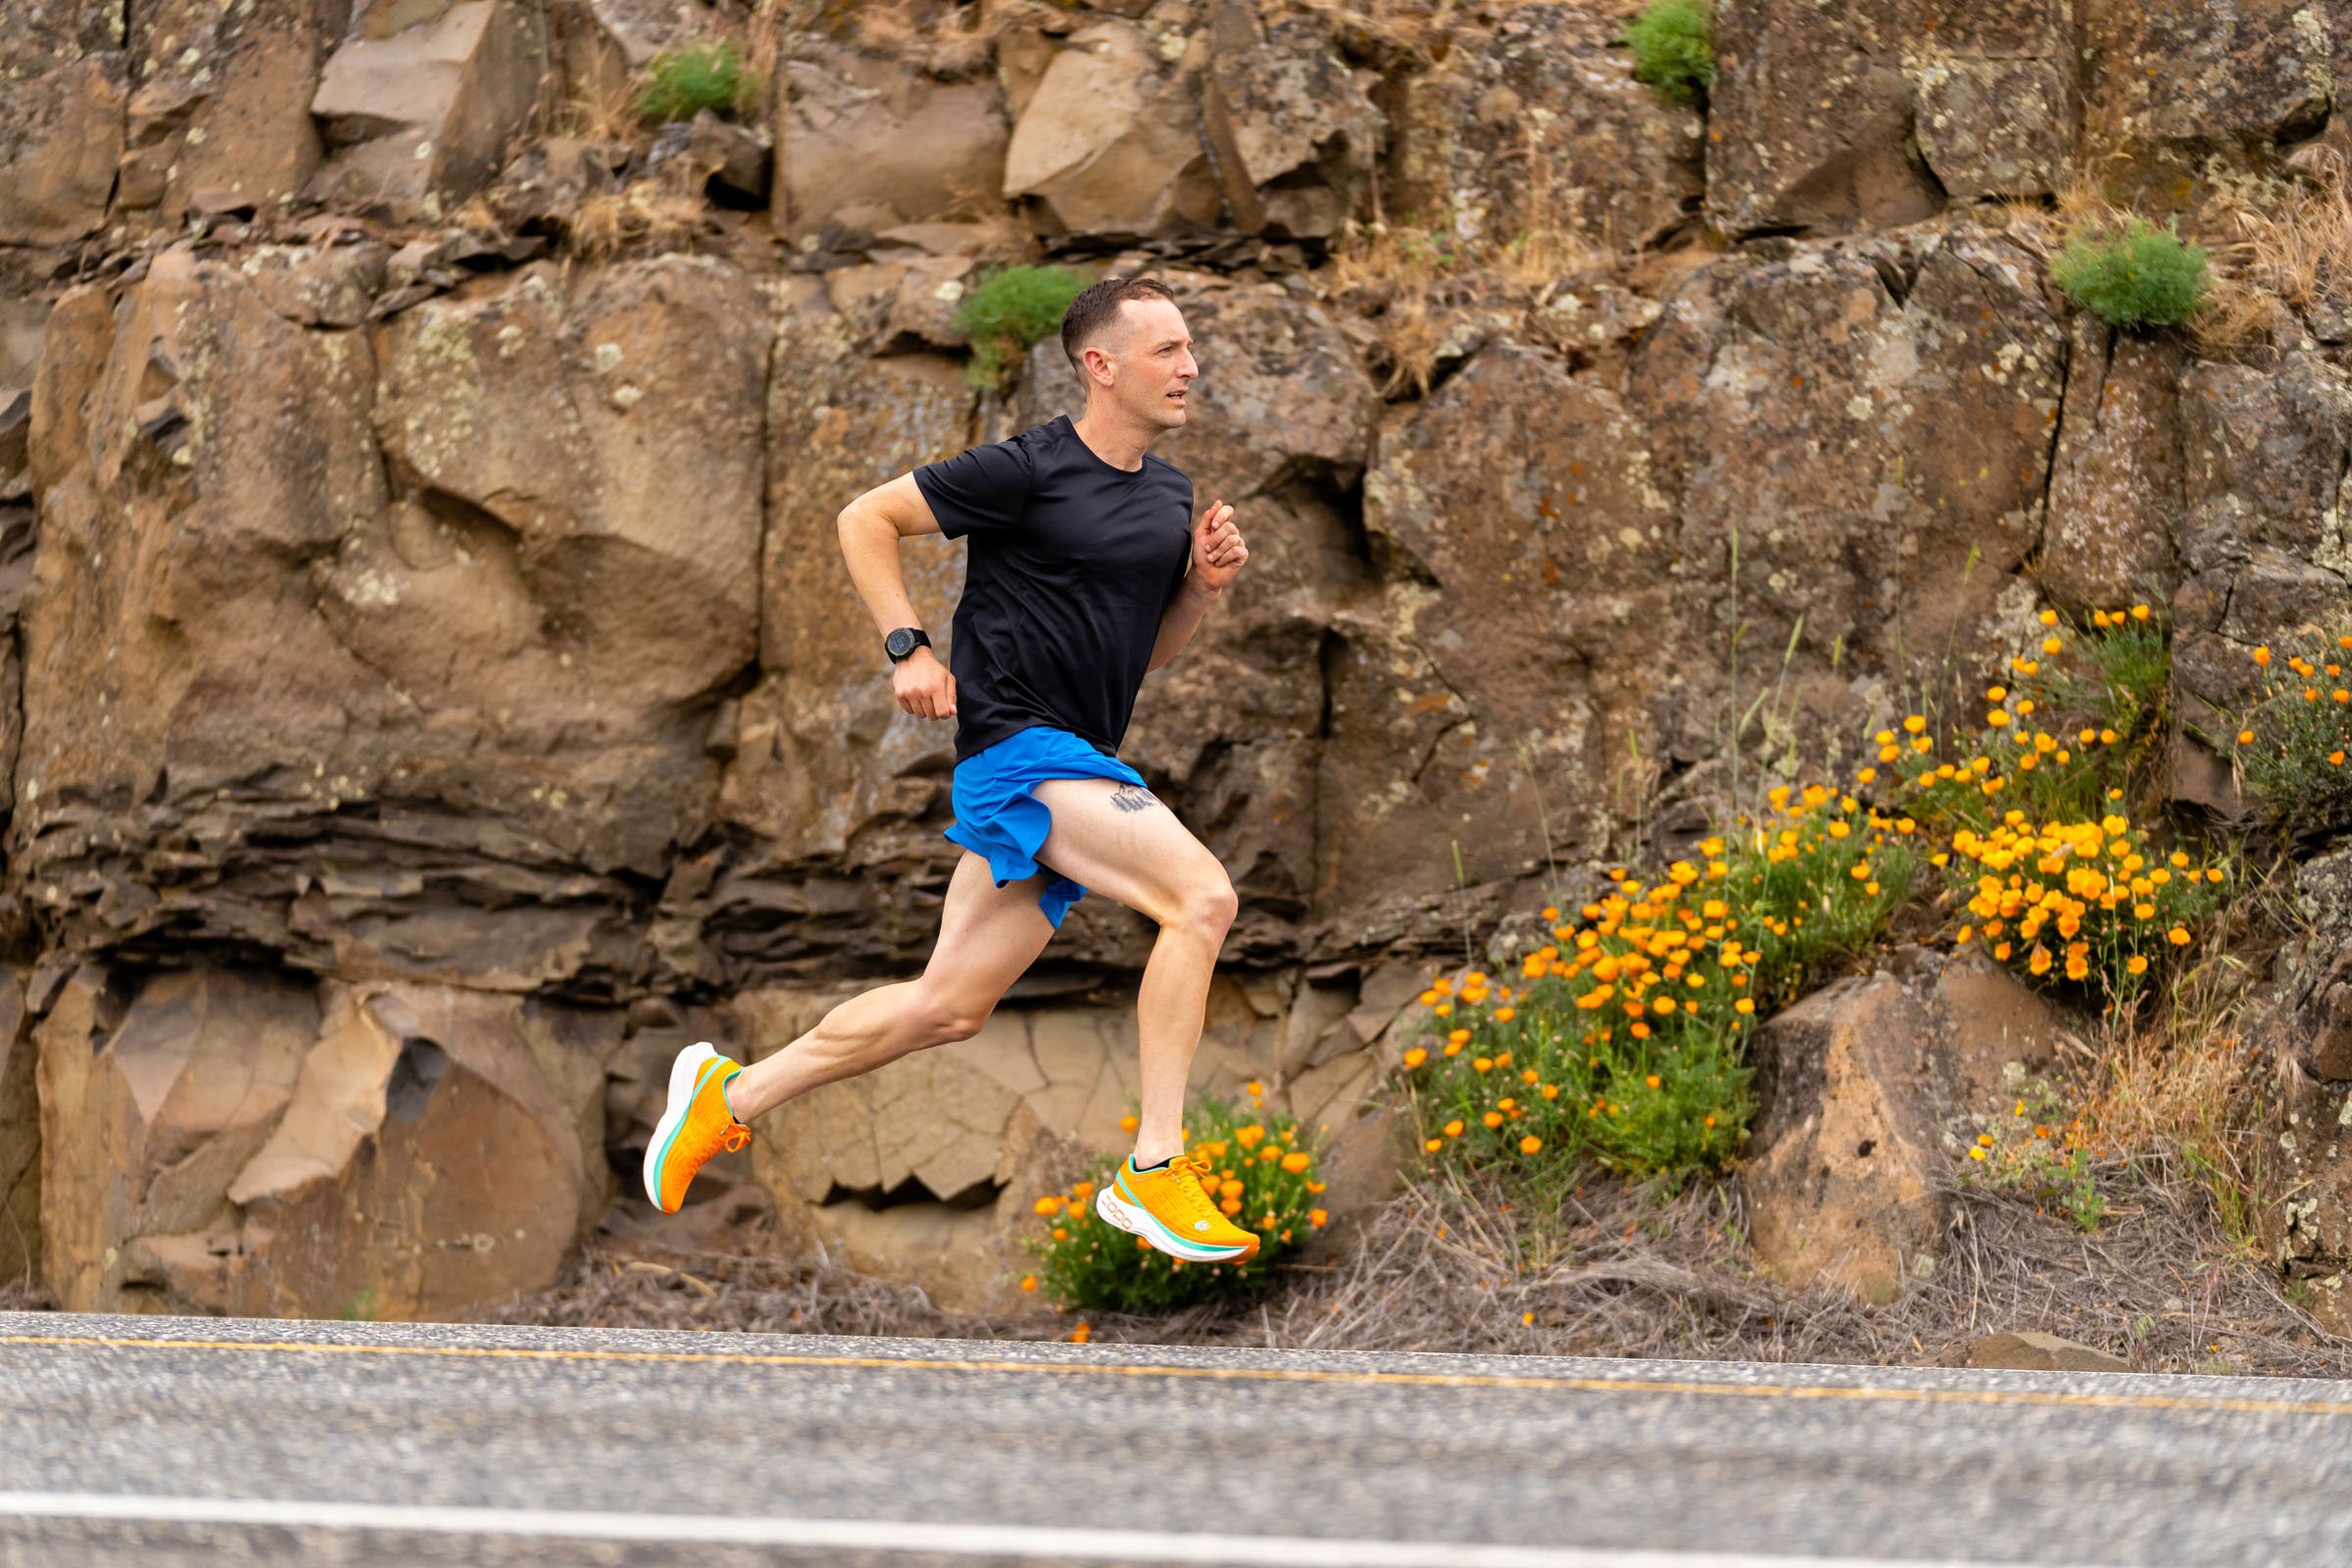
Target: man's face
(1152, 357)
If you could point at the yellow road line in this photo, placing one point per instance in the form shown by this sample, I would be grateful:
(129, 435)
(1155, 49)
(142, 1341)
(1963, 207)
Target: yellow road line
(1448, 1380)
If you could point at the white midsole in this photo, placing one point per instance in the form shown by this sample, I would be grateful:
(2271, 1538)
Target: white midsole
(1121, 1213)
(681, 1094)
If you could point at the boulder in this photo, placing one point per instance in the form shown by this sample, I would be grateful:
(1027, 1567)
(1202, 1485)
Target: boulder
(1107, 149)
(1998, 102)
(1810, 118)
(1859, 1090)
(2181, 102)
(60, 133)
(264, 543)
(860, 129)
(1995, 128)
(2030, 1350)
(2115, 502)
(237, 1143)
(223, 105)
(1905, 394)
(1539, 120)
(154, 1096)
(419, 119)
(1295, 136)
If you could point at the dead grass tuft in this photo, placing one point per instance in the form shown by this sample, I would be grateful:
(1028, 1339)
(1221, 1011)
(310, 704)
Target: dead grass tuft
(23, 1295)
(640, 1286)
(1621, 1273)
(1419, 280)
(2290, 255)
(647, 217)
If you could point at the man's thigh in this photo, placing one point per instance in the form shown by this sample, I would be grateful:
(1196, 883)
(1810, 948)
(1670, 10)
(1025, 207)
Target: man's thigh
(1123, 842)
(988, 936)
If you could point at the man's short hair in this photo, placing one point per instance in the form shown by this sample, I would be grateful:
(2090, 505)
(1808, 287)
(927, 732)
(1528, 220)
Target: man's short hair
(1092, 314)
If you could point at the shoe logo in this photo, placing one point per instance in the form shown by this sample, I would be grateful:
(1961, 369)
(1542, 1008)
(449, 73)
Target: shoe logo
(1199, 1224)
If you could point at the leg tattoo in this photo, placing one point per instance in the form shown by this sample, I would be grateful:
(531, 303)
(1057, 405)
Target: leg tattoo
(1133, 797)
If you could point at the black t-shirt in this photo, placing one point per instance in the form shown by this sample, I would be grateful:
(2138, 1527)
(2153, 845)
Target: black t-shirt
(1071, 564)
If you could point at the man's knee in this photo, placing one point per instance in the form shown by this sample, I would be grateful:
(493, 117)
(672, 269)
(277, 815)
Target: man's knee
(1209, 905)
(941, 1020)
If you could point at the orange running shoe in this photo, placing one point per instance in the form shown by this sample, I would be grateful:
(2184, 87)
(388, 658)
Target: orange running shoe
(694, 1126)
(1168, 1208)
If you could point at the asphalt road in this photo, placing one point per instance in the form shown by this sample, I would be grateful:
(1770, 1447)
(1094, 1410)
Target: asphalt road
(209, 1441)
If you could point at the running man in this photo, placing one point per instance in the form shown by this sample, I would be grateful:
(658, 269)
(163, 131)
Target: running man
(1085, 572)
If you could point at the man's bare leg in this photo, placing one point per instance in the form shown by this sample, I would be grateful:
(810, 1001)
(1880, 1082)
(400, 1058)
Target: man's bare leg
(1122, 842)
(987, 937)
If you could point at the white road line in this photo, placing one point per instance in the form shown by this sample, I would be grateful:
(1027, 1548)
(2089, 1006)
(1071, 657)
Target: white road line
(884, 1535)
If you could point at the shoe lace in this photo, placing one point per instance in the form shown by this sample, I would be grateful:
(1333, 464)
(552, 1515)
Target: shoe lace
(1191, 1193)
(734, 1138)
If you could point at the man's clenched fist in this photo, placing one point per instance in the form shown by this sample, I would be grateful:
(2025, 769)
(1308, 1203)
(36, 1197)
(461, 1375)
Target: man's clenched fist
(923, 686)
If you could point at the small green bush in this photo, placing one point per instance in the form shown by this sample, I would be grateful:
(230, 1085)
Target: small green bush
(2294, 742)
(1010, 310)
(1264, 1168)
(1673, 45)
(2143, 276)
(681, 82)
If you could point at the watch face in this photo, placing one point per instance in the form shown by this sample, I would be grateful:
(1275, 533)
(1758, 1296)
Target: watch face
(901, 644)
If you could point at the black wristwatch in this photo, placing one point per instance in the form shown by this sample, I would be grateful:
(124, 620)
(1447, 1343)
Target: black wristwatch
(905, 641)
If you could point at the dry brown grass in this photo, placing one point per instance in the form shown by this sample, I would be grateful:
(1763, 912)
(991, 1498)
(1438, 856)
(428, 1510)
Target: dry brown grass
(1618, 1272)
(607, 1287)
(2290, 252)
(22, 1295)
(1418, 278)
(648, 216)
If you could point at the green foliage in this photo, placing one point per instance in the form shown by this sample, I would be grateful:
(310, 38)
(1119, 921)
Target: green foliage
(1673, 45)
(2037, 1148)
(1796, 872)
(1010, 310)
(2044, 863)
(2292, 743)
(2077, 724)
(2143, 276)
(683, 81)
(1267, 1166)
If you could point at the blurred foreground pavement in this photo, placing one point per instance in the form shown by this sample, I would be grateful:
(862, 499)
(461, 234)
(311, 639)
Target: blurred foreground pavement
(187, 1440)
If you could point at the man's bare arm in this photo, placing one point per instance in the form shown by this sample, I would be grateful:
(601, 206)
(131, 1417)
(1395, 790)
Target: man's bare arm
(871, 528)
(1181, 619)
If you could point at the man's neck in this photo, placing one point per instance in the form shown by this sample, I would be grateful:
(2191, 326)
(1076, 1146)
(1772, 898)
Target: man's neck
(1122, 445)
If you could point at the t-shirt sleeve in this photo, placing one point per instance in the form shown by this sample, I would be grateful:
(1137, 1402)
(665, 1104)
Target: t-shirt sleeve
(978, 490)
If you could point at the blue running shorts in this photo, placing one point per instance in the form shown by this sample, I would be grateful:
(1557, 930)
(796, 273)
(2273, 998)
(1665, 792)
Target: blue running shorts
(996, 817)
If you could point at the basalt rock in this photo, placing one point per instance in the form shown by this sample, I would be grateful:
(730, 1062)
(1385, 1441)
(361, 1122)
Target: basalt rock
(244, 1144)
(1859, 1091)
(247, 724)
(1538, 122)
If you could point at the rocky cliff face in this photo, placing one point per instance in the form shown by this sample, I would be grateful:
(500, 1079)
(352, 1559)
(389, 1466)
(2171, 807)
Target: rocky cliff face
(432, 691)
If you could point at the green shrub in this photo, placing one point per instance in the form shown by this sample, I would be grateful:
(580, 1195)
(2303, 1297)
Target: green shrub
(1265, 1170)
(1820, 879)
(2143, 276)
(2077, 720)
(683, 81)
(1673, 47)
(2044, 864)
(1009, 311)
(2293, 741)
(1622, 1049)
(2039, 1148)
